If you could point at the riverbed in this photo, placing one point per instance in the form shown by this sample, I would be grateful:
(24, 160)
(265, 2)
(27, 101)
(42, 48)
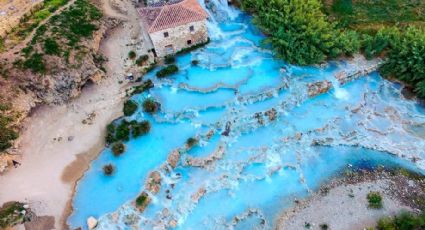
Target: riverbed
(263, 139)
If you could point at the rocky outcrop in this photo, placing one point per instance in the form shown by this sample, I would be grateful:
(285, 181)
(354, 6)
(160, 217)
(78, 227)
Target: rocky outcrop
(319, 87)
(91, 223)
(153, 184)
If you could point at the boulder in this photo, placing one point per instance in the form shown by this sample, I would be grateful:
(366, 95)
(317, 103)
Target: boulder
(91, 222)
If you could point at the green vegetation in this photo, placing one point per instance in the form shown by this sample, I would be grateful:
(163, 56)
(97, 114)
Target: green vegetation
(167, 71)
(29, 22)
(192, 48)
(324, 226)
(132, 54)
(375, 200)
(169, 59)
(7, 130)
(140, 129)
(311, 31)
(142, 60)
(118, 148)
(122, 131)
(403, 221)
(195, 62)
(130, 107)
(146, 85)
(150, 106)
(10, 214)
(299, 31)
(69, 29)
(108, 169)
(191, 142)
(142, 200)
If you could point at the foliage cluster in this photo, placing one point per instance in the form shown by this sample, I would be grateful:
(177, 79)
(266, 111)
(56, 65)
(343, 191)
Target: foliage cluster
(123, 130)
(146, 85)
(190, 142)
(130, 107)
(118, 148)
(299, 31)
(167, 71)
(142, 60)
(68, 29)
(192, 48)
(108, 169)
(10, 214)
(375, 200)
(150, 106)
(403, 221)
(142, 199)
(169, 59)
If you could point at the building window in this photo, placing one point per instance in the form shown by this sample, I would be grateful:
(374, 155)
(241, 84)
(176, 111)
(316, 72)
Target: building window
(165, 34)
(192, 28)
(189, 42)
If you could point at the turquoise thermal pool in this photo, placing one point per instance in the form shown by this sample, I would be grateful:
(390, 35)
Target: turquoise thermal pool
(263, 139)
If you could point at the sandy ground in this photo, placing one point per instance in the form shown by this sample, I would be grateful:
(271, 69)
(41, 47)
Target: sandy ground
(344, 207)
(57, 146)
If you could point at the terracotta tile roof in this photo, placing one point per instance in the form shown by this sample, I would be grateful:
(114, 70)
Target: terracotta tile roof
(158, 18)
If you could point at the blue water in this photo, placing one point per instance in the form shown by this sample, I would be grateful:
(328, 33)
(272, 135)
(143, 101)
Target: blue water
(266, 164)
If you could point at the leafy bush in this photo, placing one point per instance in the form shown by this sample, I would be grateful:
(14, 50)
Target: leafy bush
(403, 221)
(194, 47)
(150, 106)
(298, 30)
(110, 133)
(142, 199)
(7, 131)
(123, 131)
(324, 226)
(10, 214)
(375, 200)
(195, 62)
(130, 107)
(142, 59)
(169, 59)
(406, 58)
(118, 148)
(132, 54)
(169, 70)
(146, 85)
(139, 129)
(191, 142)
(108, 169)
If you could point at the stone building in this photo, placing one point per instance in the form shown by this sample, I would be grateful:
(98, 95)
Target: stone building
(174, 25)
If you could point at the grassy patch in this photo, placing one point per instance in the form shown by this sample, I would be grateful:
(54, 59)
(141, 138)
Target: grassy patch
(63, 32)
(7, 131)
(403, 221)
(375, 200)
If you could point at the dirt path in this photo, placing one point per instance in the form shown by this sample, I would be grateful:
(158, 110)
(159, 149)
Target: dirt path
(58, 142)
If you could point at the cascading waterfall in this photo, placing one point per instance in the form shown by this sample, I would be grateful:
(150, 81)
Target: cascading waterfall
(263, 139)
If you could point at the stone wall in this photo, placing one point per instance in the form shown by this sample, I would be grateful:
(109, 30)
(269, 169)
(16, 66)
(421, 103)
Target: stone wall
(178, 37)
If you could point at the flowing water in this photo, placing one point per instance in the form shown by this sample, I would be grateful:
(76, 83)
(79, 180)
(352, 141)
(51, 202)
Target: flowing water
(263, 140)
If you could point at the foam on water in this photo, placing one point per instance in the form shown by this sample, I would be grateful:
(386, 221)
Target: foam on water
(263, 141)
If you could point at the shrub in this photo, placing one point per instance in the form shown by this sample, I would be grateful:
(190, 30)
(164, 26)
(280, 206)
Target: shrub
(139, 129)
(108, 169)
(132, 54)
(142, 59)
(7, 132)
(191, 142)
(150, 106)
(195, 62)
(194, 47)
(169, 59)
(146, 85)
(35, 63)
(142, 199)
(403, 221)
(110, 133)
(324, 226)
(118, 148)
(375, 200)
(130, 107)
(51, 47)
(10, 214)
(169, 70)
(123, 131)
